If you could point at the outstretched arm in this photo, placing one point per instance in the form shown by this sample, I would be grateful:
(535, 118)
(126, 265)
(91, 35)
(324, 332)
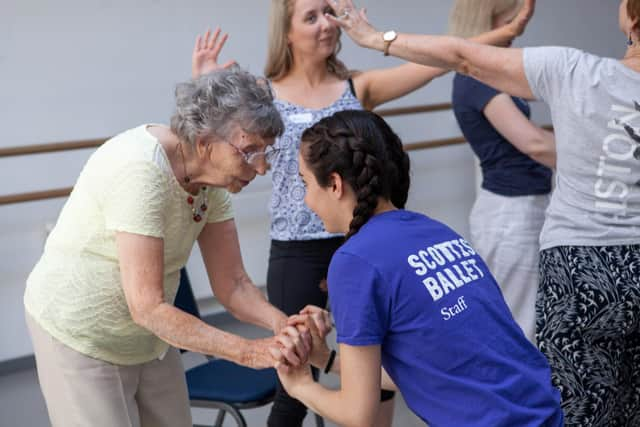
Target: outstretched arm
(501, 68)
(141, 267)
(229, 280)
(375, 87)
(378, 86)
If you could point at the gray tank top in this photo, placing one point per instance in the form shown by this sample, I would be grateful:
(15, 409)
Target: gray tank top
(291, 219)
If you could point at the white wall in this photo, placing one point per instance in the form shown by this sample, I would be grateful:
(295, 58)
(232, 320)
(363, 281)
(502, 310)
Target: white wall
(74, 69)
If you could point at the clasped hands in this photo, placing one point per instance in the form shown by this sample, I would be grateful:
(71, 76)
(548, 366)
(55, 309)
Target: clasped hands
(301, 343)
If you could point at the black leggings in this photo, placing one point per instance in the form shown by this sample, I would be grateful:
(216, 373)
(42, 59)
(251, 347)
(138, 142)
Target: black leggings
(296, 269)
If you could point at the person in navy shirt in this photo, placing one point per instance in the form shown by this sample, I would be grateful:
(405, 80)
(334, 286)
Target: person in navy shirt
(515, 157)
(410, 295)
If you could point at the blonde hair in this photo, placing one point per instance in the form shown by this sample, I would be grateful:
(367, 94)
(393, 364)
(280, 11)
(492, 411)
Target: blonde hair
(468, 18)
(279, 55)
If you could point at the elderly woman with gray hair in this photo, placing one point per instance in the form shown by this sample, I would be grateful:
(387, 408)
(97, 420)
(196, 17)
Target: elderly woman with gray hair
(99, 301)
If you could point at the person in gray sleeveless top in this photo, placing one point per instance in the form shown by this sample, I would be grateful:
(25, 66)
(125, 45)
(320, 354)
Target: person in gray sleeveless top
(587, 308)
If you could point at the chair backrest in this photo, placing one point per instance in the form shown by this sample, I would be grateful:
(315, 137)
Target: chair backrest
(215, 383)
(185, 300)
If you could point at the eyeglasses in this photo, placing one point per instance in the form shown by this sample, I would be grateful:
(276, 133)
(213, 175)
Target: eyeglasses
(255, 158)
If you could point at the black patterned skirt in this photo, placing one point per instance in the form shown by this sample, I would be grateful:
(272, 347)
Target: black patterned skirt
(588, 326)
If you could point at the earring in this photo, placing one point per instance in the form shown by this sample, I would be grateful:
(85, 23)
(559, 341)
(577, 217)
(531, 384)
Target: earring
(629, 40)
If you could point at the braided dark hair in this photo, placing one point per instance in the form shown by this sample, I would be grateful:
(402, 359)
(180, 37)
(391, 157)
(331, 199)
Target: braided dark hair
(360, 147)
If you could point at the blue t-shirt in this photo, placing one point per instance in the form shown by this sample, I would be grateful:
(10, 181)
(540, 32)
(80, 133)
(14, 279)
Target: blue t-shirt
(416, 288)
(505, 170)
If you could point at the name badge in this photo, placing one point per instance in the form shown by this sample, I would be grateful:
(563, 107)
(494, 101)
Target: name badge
(301, 118)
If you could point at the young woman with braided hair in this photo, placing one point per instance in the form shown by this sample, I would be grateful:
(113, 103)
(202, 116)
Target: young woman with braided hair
(409, 295)
(310, 82)
(589, 287)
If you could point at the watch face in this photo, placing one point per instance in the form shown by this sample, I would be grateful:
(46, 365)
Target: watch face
(389, 36)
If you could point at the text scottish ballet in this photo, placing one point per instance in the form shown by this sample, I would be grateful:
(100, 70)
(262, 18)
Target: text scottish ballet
(448, 266)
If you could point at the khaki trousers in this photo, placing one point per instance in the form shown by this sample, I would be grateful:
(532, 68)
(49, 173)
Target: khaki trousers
(505, 231)
(82, 391)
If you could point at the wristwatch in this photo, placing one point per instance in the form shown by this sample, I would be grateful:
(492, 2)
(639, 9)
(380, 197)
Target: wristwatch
(388, 37)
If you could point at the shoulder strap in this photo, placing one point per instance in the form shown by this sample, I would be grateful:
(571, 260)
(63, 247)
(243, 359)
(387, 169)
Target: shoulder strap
(270, 86)
(352, 87)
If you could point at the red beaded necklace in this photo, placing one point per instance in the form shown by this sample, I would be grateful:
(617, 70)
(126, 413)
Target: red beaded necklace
(197, 209)
(198, 212)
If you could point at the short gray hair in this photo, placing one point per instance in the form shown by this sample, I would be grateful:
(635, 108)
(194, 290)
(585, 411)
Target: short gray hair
(213, 104)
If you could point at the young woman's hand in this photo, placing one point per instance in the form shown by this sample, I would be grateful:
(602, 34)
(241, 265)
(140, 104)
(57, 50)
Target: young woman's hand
(204, 58)
(520, 22)
(320, 317)
(294, 346)
(294, 378)
(318, 322)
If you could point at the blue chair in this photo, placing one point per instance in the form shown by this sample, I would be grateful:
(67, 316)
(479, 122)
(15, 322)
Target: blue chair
(223, 385)
(220, 384)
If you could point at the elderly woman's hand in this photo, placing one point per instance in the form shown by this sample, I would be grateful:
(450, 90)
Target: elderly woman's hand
(280, 322)
(257, 354)
(204, 58)
(293, 347)
(354, 22)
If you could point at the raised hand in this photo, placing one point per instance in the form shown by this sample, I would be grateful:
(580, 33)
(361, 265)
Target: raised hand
(353, 21)
(520, 22)
(204, 58)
